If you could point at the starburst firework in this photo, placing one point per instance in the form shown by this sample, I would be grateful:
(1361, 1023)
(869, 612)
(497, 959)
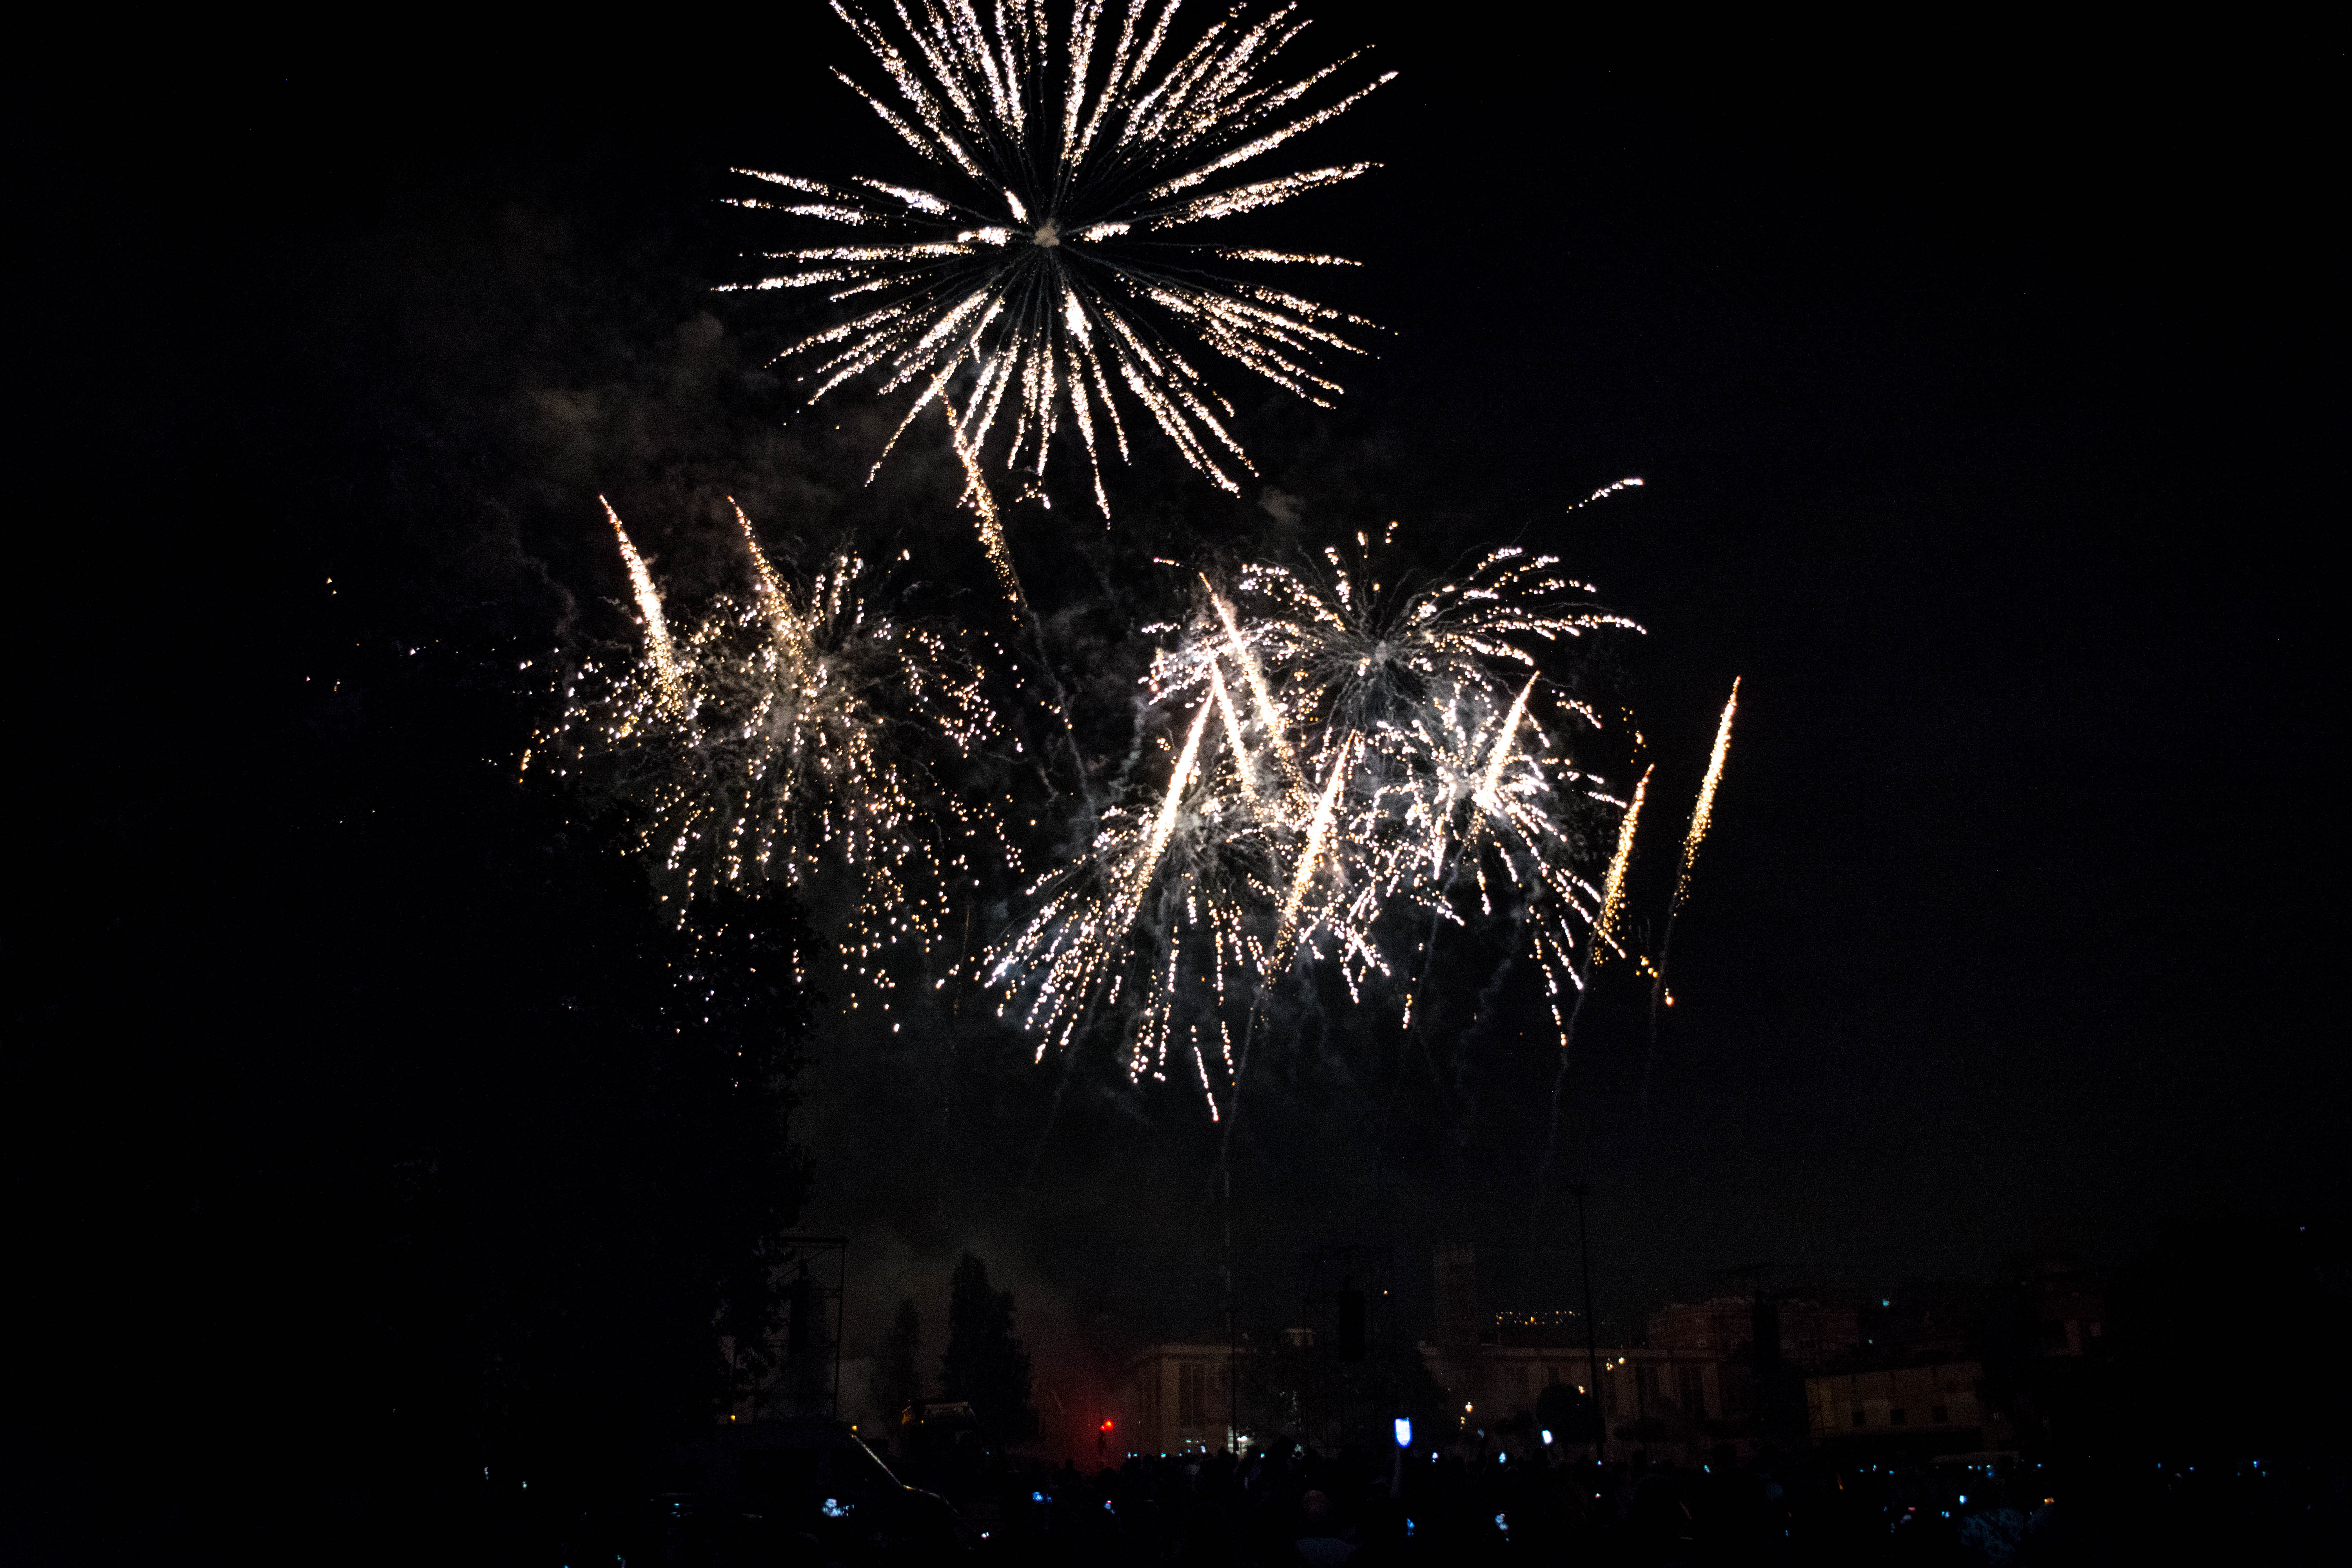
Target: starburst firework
(1066, 155)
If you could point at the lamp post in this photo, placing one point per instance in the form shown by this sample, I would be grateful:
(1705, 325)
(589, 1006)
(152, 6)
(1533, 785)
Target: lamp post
(1591, 1344)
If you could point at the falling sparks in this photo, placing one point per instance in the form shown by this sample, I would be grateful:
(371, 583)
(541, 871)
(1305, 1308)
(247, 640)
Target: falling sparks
(786, 739)
(1358, 758)
(1035, 265)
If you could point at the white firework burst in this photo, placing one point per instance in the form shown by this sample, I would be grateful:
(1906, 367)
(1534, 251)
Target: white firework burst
(1443, 751)
(1044, 251)
(1353, 762)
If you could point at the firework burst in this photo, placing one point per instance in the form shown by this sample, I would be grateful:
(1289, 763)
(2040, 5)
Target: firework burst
(785, 738)
(1047, 248)
(1361, 760)
(1459, 786)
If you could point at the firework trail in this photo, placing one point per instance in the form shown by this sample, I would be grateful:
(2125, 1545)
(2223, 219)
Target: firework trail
(1702, 817)
(1039, 252)
(1703, 812)
(787, 739)
(1355, 758)
(1597, 947)
(1319, 834)
(660, 652)
(1612, 890)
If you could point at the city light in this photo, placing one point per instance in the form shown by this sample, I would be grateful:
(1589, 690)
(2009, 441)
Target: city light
(1405, 1431)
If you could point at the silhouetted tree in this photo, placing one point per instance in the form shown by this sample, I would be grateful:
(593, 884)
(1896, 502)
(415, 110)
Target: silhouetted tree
(897, 1380)
(984, 1364)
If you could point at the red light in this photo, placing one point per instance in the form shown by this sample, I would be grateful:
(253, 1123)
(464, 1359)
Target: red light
(1105, 1426)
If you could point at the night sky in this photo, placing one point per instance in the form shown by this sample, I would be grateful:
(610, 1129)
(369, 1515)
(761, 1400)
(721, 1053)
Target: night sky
(1979, 394)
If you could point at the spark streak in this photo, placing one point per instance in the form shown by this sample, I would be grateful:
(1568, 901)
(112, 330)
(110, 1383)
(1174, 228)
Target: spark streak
(1702, 813)
(1175, 797)
(1612, 890)
(1318, 828)
(1503, 746)
(659, 649)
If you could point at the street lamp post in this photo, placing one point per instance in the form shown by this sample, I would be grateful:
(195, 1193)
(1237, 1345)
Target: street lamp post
(1591, 1344)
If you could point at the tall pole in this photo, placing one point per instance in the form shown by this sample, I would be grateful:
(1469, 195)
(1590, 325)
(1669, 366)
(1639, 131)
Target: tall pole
(1232, 1334)
(1591, 1331)
(1225, 1179)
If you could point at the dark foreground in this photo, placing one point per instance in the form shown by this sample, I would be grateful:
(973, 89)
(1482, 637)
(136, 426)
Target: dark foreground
(1368, 1510)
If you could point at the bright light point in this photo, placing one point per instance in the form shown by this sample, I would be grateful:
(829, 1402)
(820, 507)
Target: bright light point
(1547, 1437)
(1405, 1431)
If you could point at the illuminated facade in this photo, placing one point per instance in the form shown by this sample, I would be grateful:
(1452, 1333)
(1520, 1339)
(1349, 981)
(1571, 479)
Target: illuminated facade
(1180, 1400)
(1940, 1407)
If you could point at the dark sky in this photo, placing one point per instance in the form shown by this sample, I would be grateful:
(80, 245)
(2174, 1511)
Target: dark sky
(1979, 395)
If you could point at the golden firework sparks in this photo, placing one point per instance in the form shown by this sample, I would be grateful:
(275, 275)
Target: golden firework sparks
(659, 650)
(1613, 888)
(1703, 812)
(1318, 828)
(788, 740)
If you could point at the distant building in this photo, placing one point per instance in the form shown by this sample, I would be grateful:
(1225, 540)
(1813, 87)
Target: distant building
(1181, 1400)
(2069, 1304)
(1677, 1407)
(1545, 1329)
(1674, 1408)
(1905, 1410)
(1702, 1385)
(1677, 1400)
(1723, 1328)
(1919, 1325)
(1503, 1380)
